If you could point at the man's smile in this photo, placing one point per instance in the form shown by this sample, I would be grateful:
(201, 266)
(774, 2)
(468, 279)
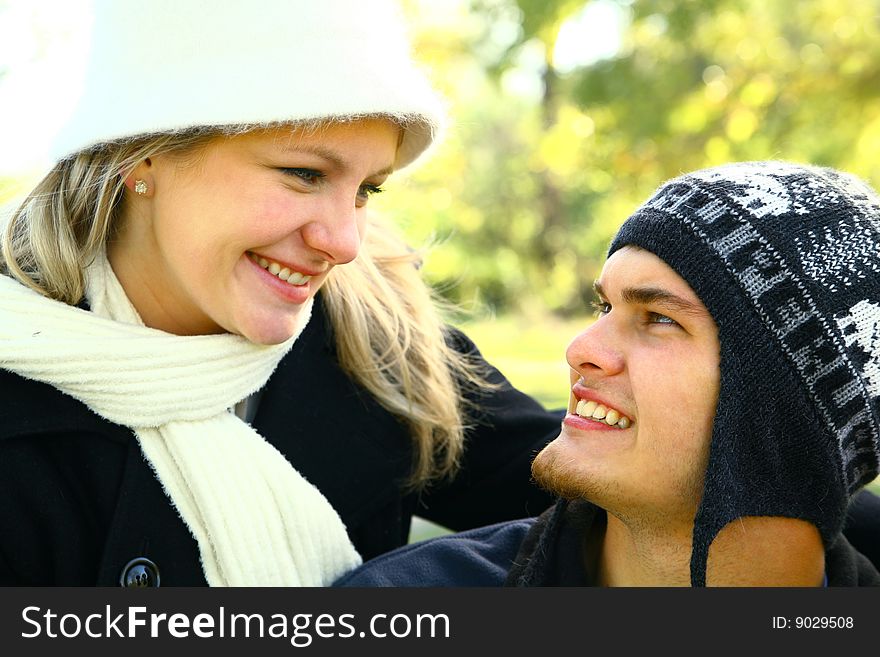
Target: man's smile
(602, 413)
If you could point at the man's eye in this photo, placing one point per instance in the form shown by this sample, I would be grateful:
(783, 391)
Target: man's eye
(657, 318)
(306, 175)
(601, 307)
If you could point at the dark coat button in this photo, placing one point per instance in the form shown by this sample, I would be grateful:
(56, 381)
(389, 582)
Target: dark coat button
(140, 573)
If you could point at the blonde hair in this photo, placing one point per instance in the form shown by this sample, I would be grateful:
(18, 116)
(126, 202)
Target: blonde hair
(389, 335)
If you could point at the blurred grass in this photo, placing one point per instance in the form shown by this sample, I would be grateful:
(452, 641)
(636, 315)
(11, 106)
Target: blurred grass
(529, 352)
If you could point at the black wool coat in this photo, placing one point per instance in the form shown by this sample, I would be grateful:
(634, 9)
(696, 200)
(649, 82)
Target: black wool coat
(78, 500)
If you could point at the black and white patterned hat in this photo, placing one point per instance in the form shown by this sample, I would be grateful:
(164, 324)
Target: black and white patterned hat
(787, 260)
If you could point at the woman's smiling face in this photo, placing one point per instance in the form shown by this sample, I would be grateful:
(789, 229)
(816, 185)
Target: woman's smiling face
(208, 248)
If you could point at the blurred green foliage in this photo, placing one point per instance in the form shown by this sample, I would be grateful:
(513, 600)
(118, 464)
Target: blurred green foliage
(544, 162)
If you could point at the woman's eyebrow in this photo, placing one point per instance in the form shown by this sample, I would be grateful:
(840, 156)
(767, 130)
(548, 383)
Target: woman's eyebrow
(659, 296)
(334, 158)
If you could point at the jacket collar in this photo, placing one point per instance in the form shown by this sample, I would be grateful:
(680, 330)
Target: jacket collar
(553, 552)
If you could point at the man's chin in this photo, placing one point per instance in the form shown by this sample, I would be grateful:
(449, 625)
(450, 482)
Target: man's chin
(556, 475)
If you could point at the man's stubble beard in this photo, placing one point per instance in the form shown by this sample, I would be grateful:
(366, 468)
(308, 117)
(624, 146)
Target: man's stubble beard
(559, 476)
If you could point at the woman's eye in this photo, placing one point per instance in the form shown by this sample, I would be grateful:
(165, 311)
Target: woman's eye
(306, 175)
(601, 307)
(366, 191)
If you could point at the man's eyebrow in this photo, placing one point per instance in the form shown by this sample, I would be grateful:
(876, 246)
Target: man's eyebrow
(331, 156)
(658, 296)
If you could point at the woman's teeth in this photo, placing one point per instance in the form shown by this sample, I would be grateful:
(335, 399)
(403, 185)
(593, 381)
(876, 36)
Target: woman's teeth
(292, 277)
(601, 413)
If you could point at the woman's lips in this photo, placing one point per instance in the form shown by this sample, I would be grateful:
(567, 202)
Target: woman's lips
(296, 293)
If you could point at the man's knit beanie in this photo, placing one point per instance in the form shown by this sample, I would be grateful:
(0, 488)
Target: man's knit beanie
(786, 258)
(160, 66)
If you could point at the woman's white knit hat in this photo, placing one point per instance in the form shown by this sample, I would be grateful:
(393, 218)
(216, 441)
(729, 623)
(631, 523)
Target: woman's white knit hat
(171, 65)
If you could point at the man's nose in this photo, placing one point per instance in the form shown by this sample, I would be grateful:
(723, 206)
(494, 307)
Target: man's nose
(596, 350)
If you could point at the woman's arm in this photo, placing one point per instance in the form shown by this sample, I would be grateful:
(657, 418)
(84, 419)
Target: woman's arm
(507, 429)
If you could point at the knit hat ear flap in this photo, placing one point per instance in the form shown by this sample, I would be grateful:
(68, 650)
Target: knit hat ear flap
(766, 449)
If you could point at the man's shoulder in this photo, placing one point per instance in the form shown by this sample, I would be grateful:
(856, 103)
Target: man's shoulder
(478, 557)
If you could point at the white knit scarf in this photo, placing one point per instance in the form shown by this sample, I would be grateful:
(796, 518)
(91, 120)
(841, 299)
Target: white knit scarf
(257, 521)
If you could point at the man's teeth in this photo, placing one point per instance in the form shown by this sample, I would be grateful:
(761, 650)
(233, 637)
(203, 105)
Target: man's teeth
(609, 416)
(292, 277)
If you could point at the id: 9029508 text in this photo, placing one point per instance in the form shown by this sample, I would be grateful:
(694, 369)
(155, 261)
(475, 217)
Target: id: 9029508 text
(813, 622)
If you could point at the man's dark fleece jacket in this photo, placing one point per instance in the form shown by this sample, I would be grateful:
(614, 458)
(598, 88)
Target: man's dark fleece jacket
(544, 551)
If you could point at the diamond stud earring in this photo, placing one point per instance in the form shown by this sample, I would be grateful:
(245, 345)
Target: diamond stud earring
(140, 187)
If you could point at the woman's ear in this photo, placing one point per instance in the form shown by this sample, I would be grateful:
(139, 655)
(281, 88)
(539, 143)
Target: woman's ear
(140, 180)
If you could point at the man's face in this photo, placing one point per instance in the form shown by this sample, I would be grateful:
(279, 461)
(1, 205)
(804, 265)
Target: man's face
(650, 365)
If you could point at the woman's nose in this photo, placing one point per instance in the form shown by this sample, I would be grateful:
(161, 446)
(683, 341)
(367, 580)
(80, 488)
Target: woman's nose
(336, 231)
